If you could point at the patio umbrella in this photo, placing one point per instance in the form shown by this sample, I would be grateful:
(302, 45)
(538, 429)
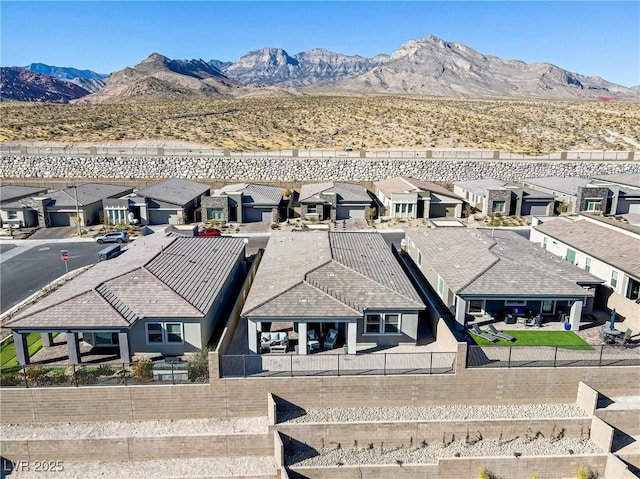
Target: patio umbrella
(613, 319)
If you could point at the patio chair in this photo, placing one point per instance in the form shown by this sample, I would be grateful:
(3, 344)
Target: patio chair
(312, 340)
(623, 338)
(330, 342)
(500, 334)
(478, 332)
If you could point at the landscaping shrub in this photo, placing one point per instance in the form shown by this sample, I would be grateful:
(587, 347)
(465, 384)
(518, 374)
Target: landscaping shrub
(198, 366)
(143, 369)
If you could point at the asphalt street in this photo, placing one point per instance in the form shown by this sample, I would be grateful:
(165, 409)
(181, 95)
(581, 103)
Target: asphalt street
(26, 272)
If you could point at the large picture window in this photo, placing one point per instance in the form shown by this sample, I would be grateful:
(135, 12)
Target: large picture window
(499, 206)
(165, 333)
(215, 214)
(382, 323)
(476, 307)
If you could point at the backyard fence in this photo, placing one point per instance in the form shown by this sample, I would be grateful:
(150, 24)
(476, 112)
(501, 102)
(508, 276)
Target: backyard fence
(290, 365)
(315, 153)
(140, 373)
(550, 357)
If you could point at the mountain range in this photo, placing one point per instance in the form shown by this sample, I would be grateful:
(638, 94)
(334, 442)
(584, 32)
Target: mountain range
(426, 66)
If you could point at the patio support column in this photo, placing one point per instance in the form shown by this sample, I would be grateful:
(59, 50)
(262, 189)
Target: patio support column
(302, 338)
(461, 313)
(47, 339)
(125, 349)
(73, 348)
(575, 315)
(22, 348)
(253, 337)
(352, 332)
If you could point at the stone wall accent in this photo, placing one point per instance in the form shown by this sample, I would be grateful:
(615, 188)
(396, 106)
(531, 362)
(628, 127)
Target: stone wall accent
(591, 192)
(215, 202)
(497, 195)
(299, 169)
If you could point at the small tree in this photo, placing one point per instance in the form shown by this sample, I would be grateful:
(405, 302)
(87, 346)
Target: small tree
(370, 212)
(198, 366)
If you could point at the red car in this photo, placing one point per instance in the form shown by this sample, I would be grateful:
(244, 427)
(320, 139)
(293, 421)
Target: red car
(209, 232)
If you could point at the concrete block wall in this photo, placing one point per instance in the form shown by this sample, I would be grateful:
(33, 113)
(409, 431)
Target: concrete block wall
(227, 398)
(139, 448)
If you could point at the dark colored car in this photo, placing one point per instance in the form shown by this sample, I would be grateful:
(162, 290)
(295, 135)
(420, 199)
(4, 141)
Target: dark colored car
(209, 232)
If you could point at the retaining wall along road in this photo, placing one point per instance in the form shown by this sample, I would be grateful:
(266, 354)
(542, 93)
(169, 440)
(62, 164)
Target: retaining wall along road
(292, 169)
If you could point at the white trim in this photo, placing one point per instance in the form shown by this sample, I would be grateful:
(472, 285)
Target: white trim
(382, 323)
(164, 333)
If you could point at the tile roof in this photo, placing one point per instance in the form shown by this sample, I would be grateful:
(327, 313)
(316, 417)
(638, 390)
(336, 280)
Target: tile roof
(620, 250)
(13, 192)
(472, 262)
(356, 270)
(626, 179)
(345, 192)
(159, 276)
(406, 184)
(480, 187)
(254, 194)
(568, 185)
(177, 191)
(88, 193)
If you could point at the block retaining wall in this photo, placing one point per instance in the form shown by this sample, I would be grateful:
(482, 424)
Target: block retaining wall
(298, 169)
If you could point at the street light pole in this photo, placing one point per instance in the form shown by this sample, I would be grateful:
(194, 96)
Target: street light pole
(75, 188)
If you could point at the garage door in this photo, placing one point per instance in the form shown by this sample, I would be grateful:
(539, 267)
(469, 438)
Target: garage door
(252, 215)
(160, 217)
(60, 219)
(535, 209)
(633, 208)
(346, 212)
(442, 211)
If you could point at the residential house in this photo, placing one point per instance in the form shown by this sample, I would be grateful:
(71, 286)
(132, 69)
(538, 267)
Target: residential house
(173, 201)
(16, 206)
(624, 192)
(604, 247)
(484, 273)
(164, 295)
(405, 197)
(245, 203)
(334, 201)
(347, 281)
(573, 193)
(62, 207)
(491, 196)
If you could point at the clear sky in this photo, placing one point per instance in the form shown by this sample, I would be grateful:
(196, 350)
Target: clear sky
(592, 38)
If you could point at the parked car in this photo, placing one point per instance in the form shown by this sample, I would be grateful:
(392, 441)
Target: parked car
(209, 232)
(113, 237)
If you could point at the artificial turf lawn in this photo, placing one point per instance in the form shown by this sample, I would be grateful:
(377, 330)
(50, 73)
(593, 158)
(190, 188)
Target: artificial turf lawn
(8, 351)
(561, 339)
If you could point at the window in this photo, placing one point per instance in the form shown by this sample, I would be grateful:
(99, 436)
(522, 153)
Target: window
(215, 214)
(614, 279)
(12, 215)
(440, 286)
(544, 242)
(311, 208)
(476, 307)
(154, 333)
(165, 333)
(587, 264)
(106, 339)
(499, 206)
(397, 208)
(373, 323)
(410, 208)
(174, 332)
(593, 205)
(382, 324)
(404, 207)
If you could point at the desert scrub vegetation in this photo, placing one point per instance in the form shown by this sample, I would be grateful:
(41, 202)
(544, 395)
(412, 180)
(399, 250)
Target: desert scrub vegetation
(332, 122)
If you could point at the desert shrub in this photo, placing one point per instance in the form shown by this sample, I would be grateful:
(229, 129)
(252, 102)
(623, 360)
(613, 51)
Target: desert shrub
(10, 379)
(584, 472)
(35, 374)
(198, 366)
(143, 369)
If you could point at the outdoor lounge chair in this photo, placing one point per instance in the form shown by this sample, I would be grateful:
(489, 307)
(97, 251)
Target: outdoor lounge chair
(476, 330)
(623, 338)
(330, 342)
(500, 334)
(312, 340)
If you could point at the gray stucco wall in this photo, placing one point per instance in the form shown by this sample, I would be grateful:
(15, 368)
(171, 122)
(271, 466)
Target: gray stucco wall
(408, 326)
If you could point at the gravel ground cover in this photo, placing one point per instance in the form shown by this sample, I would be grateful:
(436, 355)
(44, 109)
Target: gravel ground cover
(115, 429)
(430, 413)
(169, 468)
(429, 453)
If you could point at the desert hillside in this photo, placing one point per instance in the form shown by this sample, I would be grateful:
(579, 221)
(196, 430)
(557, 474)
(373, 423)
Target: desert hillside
(333, 122)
